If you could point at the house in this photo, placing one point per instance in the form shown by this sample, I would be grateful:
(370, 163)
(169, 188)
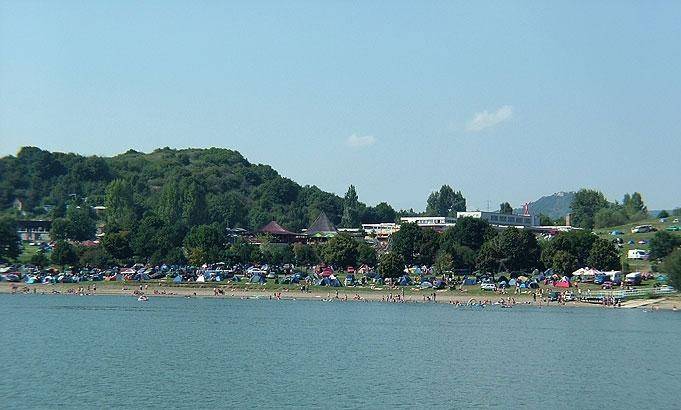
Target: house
(34, 230)
(438, 223)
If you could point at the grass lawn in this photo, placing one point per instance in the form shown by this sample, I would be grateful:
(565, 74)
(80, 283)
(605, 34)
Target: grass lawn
(637, 265)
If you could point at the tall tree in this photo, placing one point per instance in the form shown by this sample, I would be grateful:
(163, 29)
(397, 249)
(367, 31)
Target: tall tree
(120, 205)
(391, 265)
(514, 248)
(340, 251)
(405, 241)
(10, 244)
(64, 254)
(604, 255)
(445, 202)
(506, 208)
(585, 205)
(672, 265)
(634, 206)
(350, 217)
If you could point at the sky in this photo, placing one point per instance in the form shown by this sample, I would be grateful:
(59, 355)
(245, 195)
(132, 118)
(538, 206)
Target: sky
(505, 101)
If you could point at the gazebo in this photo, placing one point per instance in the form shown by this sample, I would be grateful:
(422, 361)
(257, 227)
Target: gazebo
(279, 233)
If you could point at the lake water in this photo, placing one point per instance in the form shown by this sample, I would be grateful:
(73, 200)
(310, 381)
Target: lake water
(97, 352)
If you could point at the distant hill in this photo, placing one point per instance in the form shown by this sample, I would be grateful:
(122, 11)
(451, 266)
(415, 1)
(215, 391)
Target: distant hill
(554, 206)
(230, 190)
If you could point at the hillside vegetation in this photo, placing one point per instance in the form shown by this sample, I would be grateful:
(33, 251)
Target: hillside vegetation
(236, 192)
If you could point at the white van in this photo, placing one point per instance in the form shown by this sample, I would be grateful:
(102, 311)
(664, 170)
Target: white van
(638, 254)
(642, 229)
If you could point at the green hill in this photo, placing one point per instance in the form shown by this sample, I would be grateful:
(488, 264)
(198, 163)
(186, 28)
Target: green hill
(234, 192)
(627, 236)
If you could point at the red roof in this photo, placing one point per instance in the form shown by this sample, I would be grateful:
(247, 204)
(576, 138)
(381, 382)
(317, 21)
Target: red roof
(275, 229)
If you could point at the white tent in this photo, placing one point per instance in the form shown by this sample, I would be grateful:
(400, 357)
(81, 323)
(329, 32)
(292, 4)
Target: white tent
(586, 274)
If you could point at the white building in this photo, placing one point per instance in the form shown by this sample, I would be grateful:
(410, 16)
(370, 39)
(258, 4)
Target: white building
(382, 230)
(499, 219)
(439, 223)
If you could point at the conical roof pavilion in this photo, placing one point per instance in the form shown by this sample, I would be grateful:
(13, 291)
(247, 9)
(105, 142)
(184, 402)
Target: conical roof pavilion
(274, 228)
(322, 225)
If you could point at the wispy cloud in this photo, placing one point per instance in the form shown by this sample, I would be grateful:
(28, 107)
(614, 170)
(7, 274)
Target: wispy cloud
(356, 141)
(485, 119)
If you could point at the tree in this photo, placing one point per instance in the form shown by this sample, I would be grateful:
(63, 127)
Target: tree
(60, 229)
(663, 214)
(95, 256)
(391, 265)
(40, 259)
(517, 249)
(576, 243)
(584, 207)
(613, 216)
(10, 243)
(64, 254)
(350, 217)
(385, 213)
(634, 207)
(404, 241)
(443, 263)
(304, 254)
(205, 244)
(604, 256)
(563, 262)
(545, 220)
(506, 208)
(676, 212)
(194, 207)
(672, 265)
(445, 202)
(341, 251)
(426, 246)
(470, 232)
(366, 254)
(120, 205)
(117, 244)
(81, 223)
(662, 244)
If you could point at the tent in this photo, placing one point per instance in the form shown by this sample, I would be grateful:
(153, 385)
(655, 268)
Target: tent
(257, 279)
(141, 276)
(404, 281)
(439, 284)
(200, 279)
(562, 284)
(349, 280)
(276, 230)
(177, 279)
(469, 281)
(330, 281)
(426, 285)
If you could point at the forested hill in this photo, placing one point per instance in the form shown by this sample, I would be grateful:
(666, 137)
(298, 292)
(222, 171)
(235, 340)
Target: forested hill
(203, 185)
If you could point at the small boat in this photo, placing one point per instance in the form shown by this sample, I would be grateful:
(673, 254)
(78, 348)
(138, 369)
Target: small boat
(142, 299)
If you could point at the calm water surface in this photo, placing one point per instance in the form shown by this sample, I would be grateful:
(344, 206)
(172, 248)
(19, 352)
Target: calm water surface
(95, 352)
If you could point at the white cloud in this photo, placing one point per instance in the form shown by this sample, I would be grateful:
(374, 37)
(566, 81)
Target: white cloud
(485, 119)
(360, 140)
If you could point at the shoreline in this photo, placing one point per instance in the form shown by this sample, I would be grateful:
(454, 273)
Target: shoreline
(153, 290)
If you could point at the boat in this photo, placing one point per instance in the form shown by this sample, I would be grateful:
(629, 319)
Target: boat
(142, 299)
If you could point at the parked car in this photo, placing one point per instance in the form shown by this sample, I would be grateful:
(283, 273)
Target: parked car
(569, 296)
(673, 228)
(638, 254)
(616, 232)
(488, 286)
(642, 229)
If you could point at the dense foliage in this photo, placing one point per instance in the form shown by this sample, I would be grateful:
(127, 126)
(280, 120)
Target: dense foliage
(591, 209)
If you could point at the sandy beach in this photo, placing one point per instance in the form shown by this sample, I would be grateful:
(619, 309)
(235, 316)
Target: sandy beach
(153, 290)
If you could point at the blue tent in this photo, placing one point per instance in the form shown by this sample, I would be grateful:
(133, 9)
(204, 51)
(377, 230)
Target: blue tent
(439, 284)
(511, 282)
(235, 278)
(350, 280)
(469, 281)
(258, 279)
(177, 279)
(329, 282)
(404, 281)
(426, 285)
(141, 276)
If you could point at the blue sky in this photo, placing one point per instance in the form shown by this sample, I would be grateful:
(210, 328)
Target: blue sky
(506, 101)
